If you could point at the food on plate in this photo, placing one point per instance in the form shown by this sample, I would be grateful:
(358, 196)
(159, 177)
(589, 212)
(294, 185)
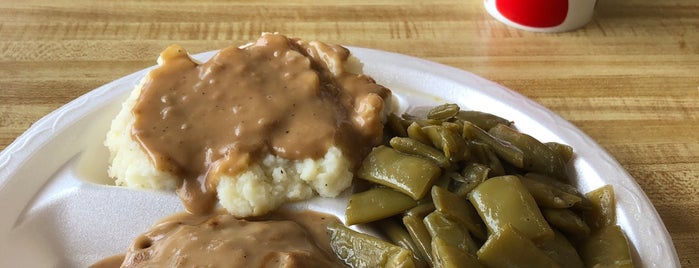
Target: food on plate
(282, 239)
(466, 189)
(363, 250)
(274, 121)
(282, 119)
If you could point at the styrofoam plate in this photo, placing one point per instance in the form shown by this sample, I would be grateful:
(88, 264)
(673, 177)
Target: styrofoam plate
(59, 209)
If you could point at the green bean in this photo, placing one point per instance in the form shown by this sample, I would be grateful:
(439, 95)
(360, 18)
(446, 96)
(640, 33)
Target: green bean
(460, 210)
(414, 131)
(448, 256)
(561, 251)
(607, 247)
(455, 234)
(433, 133)
(422, 121)
(484, 153)
(454, 127)
(553, 182)
(549, 196)
(449, 141)
(410, 175)
(414, 147)
(567, 221)
(443, 112)
(510, 248)
(603, 212)
(454, 144)
(507, 151)
(375, 204)
(397, 234)
(565, 151)
(446, 179)
(482, 120)
(489, 182)
(418, 232)
(584, 203)
(397, 125)
(537, 156)
(502, 201)
(473, 175)
(362, 250)
(420, 211)
(455, 177)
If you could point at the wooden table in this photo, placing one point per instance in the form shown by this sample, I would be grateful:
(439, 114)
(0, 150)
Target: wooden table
(630, 79)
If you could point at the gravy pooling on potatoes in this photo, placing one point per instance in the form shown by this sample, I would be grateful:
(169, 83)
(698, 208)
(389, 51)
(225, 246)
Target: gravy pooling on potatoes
(281, 96)
(279, 240)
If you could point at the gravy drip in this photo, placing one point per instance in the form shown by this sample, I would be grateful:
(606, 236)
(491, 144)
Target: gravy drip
(280, 96)
(185, 240)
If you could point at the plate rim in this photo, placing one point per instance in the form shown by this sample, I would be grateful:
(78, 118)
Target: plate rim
(39, 134)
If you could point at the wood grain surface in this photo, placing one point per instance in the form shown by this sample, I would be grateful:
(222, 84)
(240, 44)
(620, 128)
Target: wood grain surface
(629, 79)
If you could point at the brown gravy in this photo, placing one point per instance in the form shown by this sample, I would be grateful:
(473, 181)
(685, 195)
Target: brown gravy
(283, 96)
(285, 239)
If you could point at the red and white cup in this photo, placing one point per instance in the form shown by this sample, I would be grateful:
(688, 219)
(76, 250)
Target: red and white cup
(542, 15)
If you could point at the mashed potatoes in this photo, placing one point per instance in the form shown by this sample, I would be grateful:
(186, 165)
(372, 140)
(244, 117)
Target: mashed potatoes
(260, 189)
(274, 173)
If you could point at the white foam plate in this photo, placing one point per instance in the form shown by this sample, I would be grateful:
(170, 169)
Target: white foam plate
(58, 209)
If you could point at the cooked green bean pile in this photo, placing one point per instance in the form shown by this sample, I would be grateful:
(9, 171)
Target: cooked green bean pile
(461, 188)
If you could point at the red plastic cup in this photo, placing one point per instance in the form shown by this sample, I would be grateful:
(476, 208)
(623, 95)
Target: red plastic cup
(542, 15)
